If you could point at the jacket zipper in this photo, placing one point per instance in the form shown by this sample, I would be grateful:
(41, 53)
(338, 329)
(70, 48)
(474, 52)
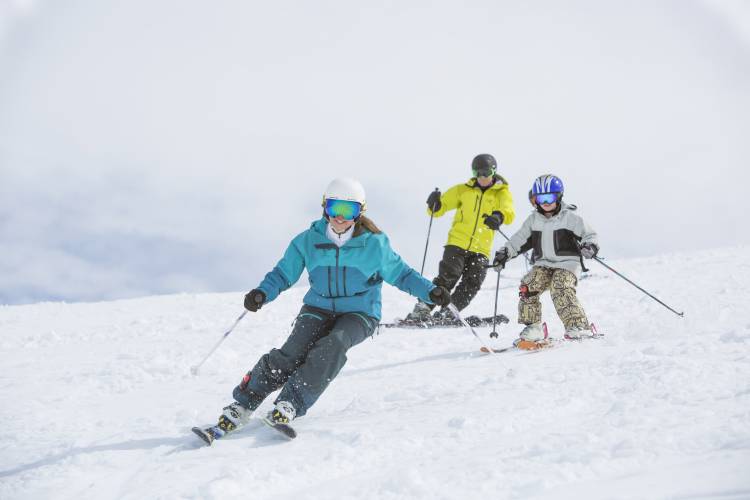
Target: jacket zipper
(345, 294)
(338, 293)
(476, 222)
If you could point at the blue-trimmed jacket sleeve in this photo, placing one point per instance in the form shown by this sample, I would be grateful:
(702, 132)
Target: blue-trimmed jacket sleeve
(286, 273)
(396, 272)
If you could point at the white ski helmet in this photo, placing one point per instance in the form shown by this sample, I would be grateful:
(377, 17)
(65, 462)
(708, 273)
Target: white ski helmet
(345, 188)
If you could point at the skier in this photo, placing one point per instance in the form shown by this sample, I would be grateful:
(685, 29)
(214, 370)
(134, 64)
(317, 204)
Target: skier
(559, 239)
(347, 258)
(482, 205)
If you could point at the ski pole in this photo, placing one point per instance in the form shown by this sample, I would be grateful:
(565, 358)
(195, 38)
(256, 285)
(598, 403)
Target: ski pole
(494, 335)
(429, 229)
(454, 310)
(194, 369)
(639, 288)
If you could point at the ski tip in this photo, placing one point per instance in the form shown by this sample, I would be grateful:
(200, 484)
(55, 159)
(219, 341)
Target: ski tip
(204, 435)
(284, 429)
(289, 432)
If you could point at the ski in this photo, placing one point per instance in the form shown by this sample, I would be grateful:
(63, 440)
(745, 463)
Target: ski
(497, 351)
(474, 321)
(209, 434)
(529, 346)
(285, 429)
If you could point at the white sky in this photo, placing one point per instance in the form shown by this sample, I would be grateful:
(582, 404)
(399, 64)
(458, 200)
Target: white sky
(156, 146)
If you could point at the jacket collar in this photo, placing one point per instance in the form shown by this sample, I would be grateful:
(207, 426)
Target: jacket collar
(319, 228)
(499, 182)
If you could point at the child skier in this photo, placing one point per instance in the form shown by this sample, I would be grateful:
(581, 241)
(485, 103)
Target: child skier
(482, 205)
(559, 239)
(347, 258)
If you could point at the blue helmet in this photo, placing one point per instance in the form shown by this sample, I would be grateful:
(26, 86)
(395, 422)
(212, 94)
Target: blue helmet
(548, 184)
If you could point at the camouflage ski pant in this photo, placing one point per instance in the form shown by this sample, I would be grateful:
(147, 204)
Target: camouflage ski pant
(562, 287)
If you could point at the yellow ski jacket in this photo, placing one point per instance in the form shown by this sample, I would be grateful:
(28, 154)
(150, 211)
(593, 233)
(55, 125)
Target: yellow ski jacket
(472, 205)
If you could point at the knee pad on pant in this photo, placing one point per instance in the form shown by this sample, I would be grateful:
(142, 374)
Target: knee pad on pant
(247, 398)
(524, 293)
(245, 381)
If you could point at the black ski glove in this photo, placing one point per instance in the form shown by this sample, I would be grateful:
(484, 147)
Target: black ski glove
(494, 221)
(501, 258)
(254, 300)
(433, 201)
(440, 296)
(589, 250)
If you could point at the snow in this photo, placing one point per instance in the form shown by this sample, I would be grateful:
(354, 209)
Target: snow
(97, 399)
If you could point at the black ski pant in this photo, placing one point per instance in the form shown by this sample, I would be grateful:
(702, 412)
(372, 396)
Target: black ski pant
(469, 267)
(308, 361)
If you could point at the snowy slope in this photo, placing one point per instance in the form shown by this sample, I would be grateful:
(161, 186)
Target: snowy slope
(96, 400)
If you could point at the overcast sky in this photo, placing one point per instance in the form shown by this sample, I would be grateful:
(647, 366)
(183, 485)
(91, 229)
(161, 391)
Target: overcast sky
(177, 146)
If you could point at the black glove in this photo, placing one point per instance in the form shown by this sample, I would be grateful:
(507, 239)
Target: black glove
(589, 250)
(433, 201)
(254, 300)
(440, 296)
(494, 221)
(501, 258)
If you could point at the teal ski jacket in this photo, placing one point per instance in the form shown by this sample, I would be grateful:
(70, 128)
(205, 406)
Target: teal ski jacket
(346, 279)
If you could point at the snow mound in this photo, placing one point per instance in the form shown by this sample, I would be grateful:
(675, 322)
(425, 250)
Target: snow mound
(97, 399)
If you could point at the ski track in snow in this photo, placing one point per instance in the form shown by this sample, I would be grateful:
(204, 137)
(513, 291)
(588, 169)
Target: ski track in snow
(97, 399)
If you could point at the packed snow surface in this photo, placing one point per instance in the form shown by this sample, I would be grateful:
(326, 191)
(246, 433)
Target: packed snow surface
(97, 399)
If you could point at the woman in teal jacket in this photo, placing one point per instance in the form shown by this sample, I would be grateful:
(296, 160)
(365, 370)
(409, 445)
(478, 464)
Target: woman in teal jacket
(347, 259)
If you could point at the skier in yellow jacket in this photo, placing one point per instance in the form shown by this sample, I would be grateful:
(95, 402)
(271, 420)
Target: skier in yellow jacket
(482, 205)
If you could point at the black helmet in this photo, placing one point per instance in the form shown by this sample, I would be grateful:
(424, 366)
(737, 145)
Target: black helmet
(483, 165)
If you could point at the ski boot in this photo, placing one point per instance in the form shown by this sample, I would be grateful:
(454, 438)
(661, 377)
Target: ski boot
(232, 418)
(578, 333)
(279, 418)
(444, 317)
(532, 337)
(420, 315)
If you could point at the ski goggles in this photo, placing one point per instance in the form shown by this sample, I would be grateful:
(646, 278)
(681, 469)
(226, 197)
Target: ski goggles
(483, 172)
(349, 210)
(547, 198)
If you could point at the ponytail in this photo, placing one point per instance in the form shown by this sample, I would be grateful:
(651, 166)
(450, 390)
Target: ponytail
(365, 224)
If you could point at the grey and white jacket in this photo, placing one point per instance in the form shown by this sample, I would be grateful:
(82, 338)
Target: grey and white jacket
(555, 240)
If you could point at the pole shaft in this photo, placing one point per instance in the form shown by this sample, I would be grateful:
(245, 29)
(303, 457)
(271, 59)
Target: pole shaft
(222, 339)
(497, 292)
(429, 229)
(639, 288)
(427, 243)
(452, 307)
